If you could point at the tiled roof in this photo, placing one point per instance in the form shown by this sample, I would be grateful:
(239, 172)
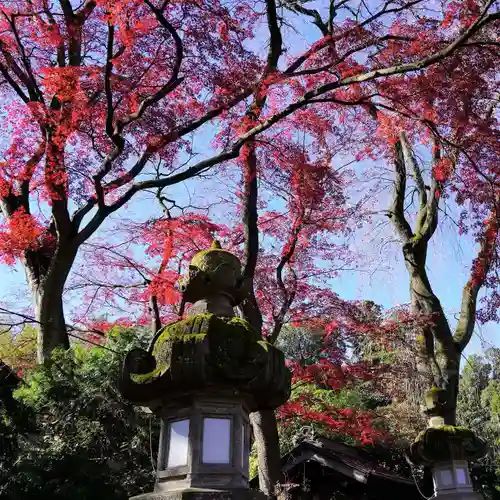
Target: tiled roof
(347, 460)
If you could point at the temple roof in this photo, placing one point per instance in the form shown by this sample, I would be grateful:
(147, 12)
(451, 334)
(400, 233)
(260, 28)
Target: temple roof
(330, 466)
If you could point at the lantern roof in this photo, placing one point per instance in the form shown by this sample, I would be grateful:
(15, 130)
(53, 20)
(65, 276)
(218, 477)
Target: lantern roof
(210, 350)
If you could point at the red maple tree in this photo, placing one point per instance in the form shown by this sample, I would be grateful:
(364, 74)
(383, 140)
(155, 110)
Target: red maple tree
(94, 93)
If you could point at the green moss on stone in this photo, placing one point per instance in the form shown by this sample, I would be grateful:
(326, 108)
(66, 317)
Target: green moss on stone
(436, 433)
(240, 321)
(452, 429)
(200, 257)
(448, 442)
(264, 344)
(234, 345)
(191, 329)
(144, 378)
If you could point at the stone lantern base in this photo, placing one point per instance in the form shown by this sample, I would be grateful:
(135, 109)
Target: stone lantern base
(205, 494)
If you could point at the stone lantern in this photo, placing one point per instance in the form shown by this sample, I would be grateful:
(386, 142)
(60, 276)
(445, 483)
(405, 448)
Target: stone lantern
(447, 449)
(202, 376)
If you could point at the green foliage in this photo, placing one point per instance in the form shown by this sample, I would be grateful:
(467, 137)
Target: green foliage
(478, 409)
(305, 346)
(19, 351)
(72, 435)
(356, 397)
(299, 344)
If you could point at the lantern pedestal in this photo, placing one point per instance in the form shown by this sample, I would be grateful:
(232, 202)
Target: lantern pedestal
(204, 494)
(448, 451)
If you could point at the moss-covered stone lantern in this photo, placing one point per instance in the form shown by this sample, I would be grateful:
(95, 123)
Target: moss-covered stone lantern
(203, 375)
(447, 449)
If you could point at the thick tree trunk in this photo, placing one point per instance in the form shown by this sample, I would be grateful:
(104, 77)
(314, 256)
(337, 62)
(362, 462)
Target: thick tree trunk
(47, 273)
(49, 314)
(443, 362)
(265, 430)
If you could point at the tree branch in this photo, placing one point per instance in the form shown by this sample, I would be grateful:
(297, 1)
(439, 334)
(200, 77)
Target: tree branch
(25, 59)
(287, 297)
(61, 51)
(397, 210)
(12, 64)
(233, 152)
(429, 226)
(249, 306)
(154, 310)
(17, 89)
(318, 21)
(479, 271)
(419, 181)
(28, 173)
(114, 131)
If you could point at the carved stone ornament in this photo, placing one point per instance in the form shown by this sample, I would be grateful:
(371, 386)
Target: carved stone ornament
(446, 443)
(209, 350)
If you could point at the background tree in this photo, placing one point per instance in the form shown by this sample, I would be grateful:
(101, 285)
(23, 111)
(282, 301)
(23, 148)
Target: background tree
(478, 409)
(19, 350)
(439, 350)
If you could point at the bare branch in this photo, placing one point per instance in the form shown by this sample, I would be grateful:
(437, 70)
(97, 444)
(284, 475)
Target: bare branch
(317, 20)
(419, 181)
(14, 67)
(25, 59)
(17, 89)
(397, 212)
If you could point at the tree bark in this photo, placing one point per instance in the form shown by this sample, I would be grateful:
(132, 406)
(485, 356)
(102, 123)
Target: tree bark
(47, 272)
(265, 431)
(444, 372)
(52, 331)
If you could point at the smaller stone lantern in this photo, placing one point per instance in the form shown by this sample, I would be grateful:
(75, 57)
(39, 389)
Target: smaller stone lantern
(447, 449)
(203, 375)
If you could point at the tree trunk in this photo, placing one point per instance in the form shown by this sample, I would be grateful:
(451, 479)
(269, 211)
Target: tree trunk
(49, 314)
(47, 273)
(265, 430)
(443, 361)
